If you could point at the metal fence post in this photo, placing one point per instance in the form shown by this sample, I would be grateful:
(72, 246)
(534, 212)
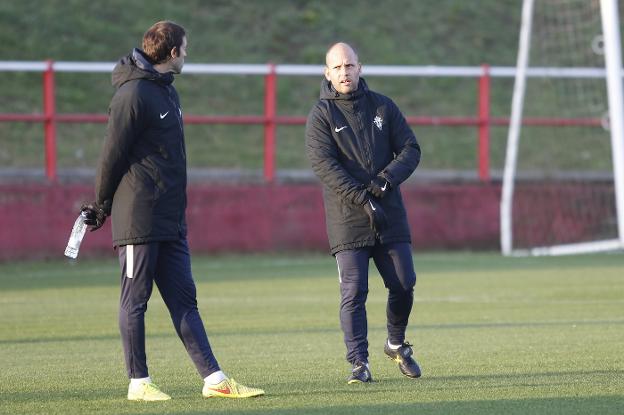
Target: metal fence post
(484, 124)
(270, 103)
(49, 110)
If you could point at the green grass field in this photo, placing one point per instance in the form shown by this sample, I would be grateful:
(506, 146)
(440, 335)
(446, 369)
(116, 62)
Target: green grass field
(493, 335)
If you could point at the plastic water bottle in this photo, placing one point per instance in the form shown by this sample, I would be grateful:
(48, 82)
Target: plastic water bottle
(77, 233)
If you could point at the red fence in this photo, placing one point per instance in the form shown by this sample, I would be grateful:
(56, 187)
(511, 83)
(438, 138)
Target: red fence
(270, 119)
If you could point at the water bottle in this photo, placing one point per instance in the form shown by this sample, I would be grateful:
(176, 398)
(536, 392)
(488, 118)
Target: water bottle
(77, 233)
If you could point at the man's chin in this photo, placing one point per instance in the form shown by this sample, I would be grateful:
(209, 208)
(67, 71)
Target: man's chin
(346, 90)
(176, 69)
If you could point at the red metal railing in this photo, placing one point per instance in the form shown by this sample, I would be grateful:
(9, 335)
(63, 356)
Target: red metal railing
(483, 149)
(270, 120)
(270, 103)
(49, 110)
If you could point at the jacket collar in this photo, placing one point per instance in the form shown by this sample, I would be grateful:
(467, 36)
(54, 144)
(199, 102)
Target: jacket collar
(328, 91)
(137, 65)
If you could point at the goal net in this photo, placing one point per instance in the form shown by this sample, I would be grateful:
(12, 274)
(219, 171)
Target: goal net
(561, 193)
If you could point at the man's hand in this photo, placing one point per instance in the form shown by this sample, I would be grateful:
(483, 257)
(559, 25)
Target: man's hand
(379, 187)
(376, 215)
(94, 216)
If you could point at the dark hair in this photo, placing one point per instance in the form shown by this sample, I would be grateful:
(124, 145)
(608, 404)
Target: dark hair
(160, 39)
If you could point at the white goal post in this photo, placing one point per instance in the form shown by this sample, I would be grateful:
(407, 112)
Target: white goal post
(613, 72)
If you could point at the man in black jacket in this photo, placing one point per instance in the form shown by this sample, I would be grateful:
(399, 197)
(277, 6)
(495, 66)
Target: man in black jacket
(362, 149)
(141, 183)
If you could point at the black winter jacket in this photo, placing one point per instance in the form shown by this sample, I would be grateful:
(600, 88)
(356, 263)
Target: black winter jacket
(141, 178)
(350, 139)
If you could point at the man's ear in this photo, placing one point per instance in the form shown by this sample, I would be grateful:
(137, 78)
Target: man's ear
(175, 52)
(327, 74)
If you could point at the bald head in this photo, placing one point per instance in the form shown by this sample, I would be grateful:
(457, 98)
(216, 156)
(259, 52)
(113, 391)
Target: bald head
(342, 68)
(340, 49)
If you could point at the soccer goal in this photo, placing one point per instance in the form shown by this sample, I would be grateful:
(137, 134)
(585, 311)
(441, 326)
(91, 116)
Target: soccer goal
(563, 180)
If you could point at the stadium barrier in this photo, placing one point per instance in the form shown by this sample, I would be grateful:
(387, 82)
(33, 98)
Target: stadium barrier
(36, 218)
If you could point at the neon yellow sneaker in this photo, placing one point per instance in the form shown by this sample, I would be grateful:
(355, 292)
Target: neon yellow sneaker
(230, 389)
(147, 392)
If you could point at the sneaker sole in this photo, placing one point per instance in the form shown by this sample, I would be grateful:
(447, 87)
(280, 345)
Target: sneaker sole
(354, 381)
(147, 400)
(227, 395)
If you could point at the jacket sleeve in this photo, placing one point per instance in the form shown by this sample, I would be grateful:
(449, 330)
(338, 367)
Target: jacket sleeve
(405, 147)
(322, 152)
(124, 125)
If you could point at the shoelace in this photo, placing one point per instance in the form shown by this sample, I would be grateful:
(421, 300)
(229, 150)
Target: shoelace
(240, 388)
(153, 387)
(235, 387)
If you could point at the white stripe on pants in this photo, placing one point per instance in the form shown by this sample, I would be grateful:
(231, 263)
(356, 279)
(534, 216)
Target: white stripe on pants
(129, 261)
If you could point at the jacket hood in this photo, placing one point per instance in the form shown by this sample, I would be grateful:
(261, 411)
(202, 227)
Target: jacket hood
(328, 91)
(138, 66)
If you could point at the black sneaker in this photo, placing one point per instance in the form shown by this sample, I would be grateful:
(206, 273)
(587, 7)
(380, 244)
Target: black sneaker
(360, 374)
(403, 356)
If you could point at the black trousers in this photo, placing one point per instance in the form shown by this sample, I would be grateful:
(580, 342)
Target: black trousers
(394, 263)
(168, 264)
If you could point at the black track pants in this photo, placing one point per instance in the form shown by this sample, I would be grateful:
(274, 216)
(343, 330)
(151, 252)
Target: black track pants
(394, 262)
(168, 264)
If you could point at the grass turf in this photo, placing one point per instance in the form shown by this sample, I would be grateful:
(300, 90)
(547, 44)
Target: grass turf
(493, 335)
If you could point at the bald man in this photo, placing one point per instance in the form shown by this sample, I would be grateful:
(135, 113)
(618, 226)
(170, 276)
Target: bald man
(361, 148)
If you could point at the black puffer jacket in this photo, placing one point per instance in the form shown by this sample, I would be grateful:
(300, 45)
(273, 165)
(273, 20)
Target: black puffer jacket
(350, 139)
(142, 168)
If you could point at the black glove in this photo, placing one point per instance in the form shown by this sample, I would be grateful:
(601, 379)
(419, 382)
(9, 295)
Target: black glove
(95, 216)
(376, 215)
(379, 187)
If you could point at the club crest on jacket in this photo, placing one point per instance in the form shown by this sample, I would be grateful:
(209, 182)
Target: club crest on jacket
(378, 121)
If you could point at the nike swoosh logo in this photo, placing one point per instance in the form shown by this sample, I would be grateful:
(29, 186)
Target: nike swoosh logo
(336, 129)
(223, 391)
(383, 189)
(164, 115)
(372, 206)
